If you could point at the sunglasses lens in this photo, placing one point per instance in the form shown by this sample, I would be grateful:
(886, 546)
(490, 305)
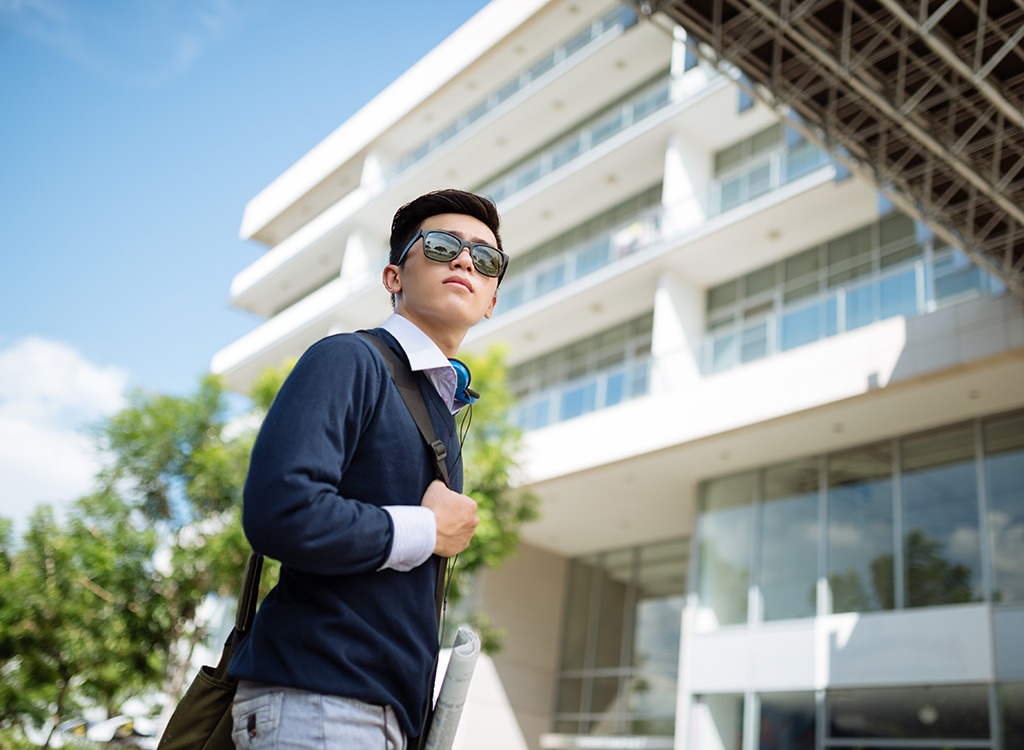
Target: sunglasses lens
(440, 246)
(487, 260)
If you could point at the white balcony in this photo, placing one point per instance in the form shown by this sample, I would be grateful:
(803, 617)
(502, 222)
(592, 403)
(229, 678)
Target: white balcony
(643, 459)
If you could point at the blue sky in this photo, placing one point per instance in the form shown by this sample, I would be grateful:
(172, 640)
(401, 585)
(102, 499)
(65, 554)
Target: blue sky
(132, 134)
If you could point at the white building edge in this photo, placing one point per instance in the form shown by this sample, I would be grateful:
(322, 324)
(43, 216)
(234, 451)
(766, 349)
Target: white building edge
(776, 427)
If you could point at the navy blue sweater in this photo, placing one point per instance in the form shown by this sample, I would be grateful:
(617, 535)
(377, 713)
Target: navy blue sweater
(337, 444)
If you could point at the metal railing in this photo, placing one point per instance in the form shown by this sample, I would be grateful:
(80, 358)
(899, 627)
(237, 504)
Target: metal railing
(609, 25)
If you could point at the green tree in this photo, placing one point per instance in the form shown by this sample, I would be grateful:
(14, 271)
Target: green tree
(80, 623)
(105, 605)
(491, 449)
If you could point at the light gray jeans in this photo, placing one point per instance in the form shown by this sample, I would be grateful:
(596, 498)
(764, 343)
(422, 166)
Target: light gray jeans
(266, 717)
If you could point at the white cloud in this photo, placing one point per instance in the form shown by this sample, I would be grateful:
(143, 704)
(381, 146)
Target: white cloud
(49, 394)
(142, 44)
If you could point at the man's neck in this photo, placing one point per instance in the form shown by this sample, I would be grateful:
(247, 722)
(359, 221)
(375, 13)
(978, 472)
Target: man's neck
(446, 338)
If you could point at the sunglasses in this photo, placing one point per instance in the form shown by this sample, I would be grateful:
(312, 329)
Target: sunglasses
(444, 247)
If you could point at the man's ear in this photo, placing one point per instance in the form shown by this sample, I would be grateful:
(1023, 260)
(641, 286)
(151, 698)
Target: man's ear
(490, 307)
(392, 278)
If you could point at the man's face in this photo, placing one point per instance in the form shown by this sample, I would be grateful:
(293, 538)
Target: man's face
(448, 294)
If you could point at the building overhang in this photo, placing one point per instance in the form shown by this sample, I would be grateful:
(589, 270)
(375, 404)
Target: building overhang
(926, 99)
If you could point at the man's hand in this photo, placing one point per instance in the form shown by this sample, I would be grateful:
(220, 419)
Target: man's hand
(456, 518)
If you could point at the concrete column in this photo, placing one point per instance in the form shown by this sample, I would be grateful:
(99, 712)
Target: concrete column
(687, 176)
(364, 255)
(677, 333)
(374, 173)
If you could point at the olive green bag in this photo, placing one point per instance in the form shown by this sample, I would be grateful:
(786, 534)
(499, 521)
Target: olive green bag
(202, 720)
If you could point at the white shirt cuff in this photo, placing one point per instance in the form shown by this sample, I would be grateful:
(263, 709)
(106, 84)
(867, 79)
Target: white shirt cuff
(415, 536)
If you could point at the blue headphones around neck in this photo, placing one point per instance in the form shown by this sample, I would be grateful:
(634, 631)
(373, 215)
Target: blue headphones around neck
(463, 392)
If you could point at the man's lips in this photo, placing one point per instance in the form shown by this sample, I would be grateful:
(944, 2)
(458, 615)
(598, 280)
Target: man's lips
(461, 280)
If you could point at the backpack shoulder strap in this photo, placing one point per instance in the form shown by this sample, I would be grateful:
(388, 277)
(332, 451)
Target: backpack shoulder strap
(413, 399)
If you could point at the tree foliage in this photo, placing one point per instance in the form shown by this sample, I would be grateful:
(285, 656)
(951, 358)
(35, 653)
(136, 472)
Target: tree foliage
(104, 605)
(490, 451)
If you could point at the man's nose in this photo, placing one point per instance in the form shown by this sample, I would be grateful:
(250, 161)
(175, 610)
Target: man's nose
(460, 262)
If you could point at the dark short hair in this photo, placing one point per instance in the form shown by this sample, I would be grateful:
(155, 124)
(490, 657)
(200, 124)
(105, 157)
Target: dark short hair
(410, 217)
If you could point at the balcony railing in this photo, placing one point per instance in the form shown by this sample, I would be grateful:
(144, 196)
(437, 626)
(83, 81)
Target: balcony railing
(577, 261)
(764, 173)
(643, 104)
(910, 290)
(579, 396)
(612, 24)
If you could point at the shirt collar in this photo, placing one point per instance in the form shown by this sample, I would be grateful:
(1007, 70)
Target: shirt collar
(423, 353)
(425, 356)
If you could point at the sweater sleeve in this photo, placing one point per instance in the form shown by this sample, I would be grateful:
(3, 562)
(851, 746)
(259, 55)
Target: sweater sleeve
(292, 509)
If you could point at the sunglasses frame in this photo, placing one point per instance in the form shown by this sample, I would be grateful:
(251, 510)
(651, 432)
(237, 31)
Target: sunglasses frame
(471, 246)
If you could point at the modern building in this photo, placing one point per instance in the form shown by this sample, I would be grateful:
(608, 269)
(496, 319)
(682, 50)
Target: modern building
(776, 425)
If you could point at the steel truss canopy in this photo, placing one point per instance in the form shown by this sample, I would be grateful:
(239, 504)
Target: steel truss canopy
(926, 98)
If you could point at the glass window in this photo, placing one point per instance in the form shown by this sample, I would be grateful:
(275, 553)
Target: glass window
(730, 193)
(895, 229)
(725, 349)
(754, 343)
(578, 401)
(722, 295)
(898, 294)
(723, 551)
(861, 305)
(717, 722)
(613, 612)
(570, 704)
(578, 597)
(1011, 713)
(850, 248)
(860, 529)
(802, 266)
(922, 713)
(760, 281)
(787, 721)
(767, 139)
(956, 274)
(803, 158)
(620, 654)
(802, 326)
(941, 533)
(730, 157)
(1004, 473)
(759, 181)
(614, 388)
(592, 257)
(789, 540)
(566, 152)
(652, 689)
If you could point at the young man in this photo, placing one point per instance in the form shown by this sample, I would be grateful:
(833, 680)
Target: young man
(342, 489)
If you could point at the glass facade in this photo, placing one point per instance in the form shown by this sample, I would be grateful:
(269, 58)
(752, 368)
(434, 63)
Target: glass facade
(1004, 480)
(620, 649)
(860, 529)
(637, 106)
(615, 234)
(592, 374)
(892, 525)
(898, 524)
(724, 527)
(788, 721)
(947, 715)
(941, 538)
(891, 267)
(788, 544)
(761, 163)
